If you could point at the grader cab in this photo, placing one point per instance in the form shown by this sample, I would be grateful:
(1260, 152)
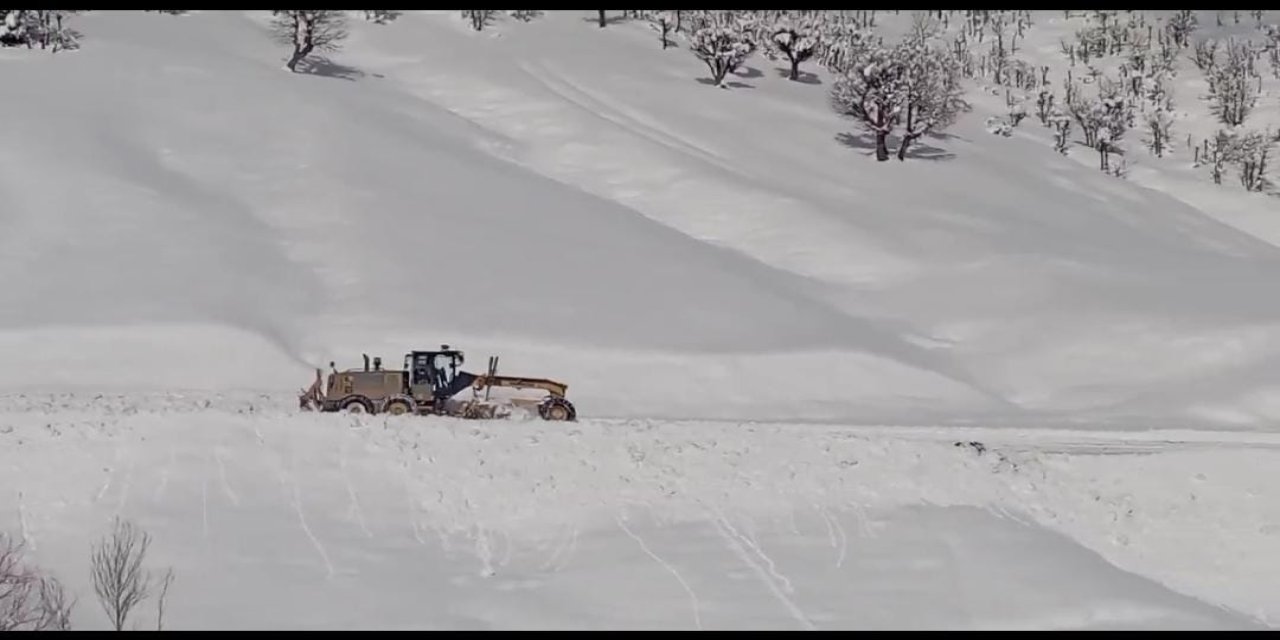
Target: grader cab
(427, 385)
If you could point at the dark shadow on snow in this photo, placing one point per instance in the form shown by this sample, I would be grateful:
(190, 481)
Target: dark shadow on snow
(804, 77)
(730, 84)
(919, 150)
(748, 72)
(324, 67)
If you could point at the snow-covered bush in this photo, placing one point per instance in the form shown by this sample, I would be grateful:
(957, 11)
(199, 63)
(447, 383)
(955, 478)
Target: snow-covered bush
(29, 599)
(309, 30)
(999, 126)
(47, 28)
(722, 40)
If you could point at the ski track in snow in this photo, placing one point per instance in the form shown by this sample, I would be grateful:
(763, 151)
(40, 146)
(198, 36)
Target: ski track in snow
(734, 540)
(693, 597)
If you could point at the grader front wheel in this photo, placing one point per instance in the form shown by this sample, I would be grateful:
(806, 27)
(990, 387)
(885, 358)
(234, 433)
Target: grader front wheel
(557, 410)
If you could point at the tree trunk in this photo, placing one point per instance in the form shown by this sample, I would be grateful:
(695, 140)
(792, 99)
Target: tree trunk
(795, 67)
(882, 146)
(298, 55)
(602, 20)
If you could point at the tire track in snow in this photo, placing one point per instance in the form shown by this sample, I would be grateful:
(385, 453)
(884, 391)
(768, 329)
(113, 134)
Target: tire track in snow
(351, 490)
(302, 519)
(164, 477)
(222, 476)
(23, 528)
(693, 597)
(833, 526)
(734, 540)
(124, 487)
(561, 543)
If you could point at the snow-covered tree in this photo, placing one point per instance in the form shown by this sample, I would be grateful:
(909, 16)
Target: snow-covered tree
(1061, 124)
(309, 30)
(872, 92)
(1181, 25)
(722, 40)
(845, 42)
(1103, 119)
(933, 96)
(796, 36)
(1232, 90)
(1159, 128)
(914, 85)
(479, 18)
(1045, 106)
(380, 16)
(1251, 154)
(524, 15)
(47, 28)
(1206, 55)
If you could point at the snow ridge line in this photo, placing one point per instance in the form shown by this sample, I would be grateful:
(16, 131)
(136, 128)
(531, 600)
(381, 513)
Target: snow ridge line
(693, 597)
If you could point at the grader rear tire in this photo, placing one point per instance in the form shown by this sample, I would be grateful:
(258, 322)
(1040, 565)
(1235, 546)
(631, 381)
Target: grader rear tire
(357, 406)
(398, 407)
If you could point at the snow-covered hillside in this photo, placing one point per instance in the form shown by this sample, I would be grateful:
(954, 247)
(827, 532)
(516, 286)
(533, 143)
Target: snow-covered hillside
(574, 199)
(190, 229)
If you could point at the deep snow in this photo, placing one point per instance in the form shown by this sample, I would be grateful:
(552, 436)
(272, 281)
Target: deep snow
(190, 229)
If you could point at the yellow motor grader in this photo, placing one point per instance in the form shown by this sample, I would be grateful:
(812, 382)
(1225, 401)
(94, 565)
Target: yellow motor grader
(427, 385)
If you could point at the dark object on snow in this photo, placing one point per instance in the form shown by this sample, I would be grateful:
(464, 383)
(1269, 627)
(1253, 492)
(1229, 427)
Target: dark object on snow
(977, 446)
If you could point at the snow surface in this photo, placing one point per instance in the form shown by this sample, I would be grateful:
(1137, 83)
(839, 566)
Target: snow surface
(190, 230)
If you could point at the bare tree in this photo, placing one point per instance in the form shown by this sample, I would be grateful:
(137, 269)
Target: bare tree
(664, 22)
(119, 579)
(164, 594)
(29, 600)
(479, 18)
(722, 40)
(309, 30)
